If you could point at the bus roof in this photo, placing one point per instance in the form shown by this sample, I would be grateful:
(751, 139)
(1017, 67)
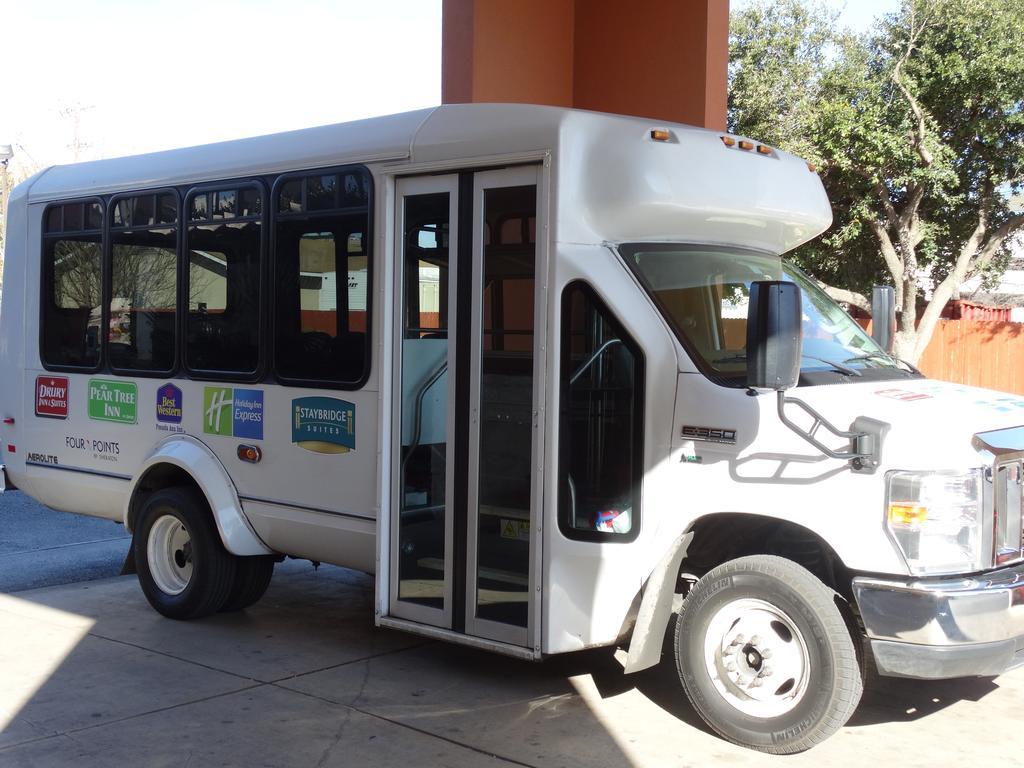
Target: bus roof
(625, 184)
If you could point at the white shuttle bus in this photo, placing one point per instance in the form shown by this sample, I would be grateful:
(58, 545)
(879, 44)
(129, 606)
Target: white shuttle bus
(544, 372)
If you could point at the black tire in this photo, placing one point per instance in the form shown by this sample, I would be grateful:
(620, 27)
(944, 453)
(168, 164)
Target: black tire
(819, 681)
(176, 526)
(252, 577)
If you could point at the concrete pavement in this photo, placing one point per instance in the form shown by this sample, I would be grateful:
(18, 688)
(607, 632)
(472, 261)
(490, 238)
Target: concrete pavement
(91, 676)
(40, 547)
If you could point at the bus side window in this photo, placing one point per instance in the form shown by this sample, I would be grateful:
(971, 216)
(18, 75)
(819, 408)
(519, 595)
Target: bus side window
(72, 285)
(321, 277)
(144, 282)
(601, 433)
(224, 245)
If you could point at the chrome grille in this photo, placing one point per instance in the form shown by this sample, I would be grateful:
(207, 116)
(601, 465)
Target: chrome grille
(1008, 530)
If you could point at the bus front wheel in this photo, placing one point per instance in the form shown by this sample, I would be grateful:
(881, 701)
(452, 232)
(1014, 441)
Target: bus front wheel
(183, 568)
(765, 655)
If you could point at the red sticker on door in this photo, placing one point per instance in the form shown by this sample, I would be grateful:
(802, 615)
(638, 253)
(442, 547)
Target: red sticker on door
(52, 397)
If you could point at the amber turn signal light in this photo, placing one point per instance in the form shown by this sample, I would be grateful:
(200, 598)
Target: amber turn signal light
(250, 453)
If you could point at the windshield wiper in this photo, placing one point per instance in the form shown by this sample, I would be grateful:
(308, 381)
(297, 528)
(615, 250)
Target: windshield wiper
(837, 366)
(882, 356)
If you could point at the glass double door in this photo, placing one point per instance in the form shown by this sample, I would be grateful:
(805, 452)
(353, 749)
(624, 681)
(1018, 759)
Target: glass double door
(464, 489)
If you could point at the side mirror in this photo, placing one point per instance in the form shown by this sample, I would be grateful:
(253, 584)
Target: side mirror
(883, 315)
(774, 335)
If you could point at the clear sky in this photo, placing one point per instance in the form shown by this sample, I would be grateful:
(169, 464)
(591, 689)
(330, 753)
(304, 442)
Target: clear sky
(129, 76)
(154, 74)
(854, 14)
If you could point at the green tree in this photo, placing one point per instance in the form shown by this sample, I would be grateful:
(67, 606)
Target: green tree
(917, 127)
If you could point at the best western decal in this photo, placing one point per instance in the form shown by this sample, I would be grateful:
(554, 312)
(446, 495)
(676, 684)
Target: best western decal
(233, 412)
(52, 397)
(115, 401)
(169, 407)
(324, 424)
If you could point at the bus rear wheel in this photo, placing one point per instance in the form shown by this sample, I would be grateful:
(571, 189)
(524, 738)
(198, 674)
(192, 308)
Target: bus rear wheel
(252, 577)
(183, 568)
(765, 655)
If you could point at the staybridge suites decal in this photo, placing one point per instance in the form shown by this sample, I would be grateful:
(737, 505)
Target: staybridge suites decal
(324, 424)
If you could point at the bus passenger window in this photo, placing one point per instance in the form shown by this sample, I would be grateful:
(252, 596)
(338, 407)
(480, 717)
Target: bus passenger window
(144, 282)
(600, 438)
(223, 280)
(321, 277)
(72, 285)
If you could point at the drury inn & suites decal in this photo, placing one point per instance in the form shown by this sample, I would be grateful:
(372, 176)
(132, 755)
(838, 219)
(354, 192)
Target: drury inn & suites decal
(233, 412)
(52, 397)
(113, 401)
(324, 424)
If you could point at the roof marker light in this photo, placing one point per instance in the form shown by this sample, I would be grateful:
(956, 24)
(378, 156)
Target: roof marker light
(729, 141)
(660, 134)
(764, 150)
(812, 168)
(746, 145)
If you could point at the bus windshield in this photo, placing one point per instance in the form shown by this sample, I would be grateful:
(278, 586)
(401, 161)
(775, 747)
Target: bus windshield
(703, 291)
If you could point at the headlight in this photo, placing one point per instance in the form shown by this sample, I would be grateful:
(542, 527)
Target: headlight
(937, 520)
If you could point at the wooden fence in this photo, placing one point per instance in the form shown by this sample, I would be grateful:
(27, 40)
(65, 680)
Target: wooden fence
(982, 354)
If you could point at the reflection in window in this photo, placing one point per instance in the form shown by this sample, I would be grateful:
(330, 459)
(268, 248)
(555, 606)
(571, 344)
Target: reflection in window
(72, 285)
(601, 422)
(144, 284)
(703, 292)
(223, 280)
(508, 268)
(321, 279)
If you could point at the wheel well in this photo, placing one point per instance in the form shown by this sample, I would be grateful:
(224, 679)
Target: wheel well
(157, 477)
(719, 538)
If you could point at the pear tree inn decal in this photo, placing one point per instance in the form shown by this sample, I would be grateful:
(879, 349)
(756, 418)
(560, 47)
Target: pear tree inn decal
(113, 401)
(324, 424)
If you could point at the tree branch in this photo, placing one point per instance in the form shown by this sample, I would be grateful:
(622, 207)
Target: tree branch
(921, 128)
(995, 241)
(963, 263)
(847, 297)
(889, 254)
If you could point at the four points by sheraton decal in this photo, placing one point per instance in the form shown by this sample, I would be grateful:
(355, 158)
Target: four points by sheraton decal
(233, 412)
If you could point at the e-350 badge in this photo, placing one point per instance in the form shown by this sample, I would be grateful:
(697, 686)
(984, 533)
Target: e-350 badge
(710, 434)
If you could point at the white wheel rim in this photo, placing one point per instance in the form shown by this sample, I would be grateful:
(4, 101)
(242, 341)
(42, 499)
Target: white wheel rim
(169, 555)
(756, 658)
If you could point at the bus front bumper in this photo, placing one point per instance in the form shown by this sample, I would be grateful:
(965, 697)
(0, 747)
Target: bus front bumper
(943, 628)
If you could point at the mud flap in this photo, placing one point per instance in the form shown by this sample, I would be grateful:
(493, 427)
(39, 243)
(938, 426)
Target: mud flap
(656, 609)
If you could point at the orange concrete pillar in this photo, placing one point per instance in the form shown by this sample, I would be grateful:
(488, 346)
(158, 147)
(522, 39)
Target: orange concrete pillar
(667, 61)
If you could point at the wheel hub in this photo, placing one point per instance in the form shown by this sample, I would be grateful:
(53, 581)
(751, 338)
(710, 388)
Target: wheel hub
(756, 658)
(169, 555)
